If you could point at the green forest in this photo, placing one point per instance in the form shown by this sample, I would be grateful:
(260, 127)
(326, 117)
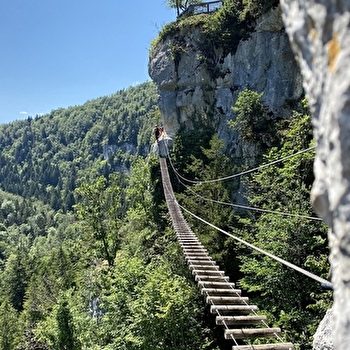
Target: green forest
(88, 256)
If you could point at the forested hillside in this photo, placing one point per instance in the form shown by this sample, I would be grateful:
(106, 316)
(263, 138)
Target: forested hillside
(87, 260)
(46, 157)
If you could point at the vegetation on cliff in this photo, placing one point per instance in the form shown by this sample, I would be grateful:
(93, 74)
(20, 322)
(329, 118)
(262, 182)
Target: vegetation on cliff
(223, 28)
(278, 220)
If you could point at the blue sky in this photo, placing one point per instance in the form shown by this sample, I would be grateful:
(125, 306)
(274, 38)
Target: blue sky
(60, 53)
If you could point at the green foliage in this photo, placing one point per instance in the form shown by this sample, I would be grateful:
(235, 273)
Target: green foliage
(47, 157)
(251, 117)
(59, 291)
(157, 308)
(211, 163)
(10, 331)
(189, 144)
(222, 29)
(255, 8)
(66, 339)
(225, 29)
(288, 296)
(100, 209)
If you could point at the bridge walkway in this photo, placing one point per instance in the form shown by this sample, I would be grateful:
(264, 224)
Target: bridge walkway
(240, 320)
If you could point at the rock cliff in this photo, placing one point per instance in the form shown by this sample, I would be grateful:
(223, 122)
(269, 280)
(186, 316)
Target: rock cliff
(196, 90)
(319, 32)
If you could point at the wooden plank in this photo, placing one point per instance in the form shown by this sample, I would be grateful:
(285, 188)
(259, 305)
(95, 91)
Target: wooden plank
(197, 254)
(208, 261)
(226, 300)
(251, 333)
(220, 291)
(240, 320)
(214, 284)
(277, 346)
(204, 267)
(235, 309)
(208, 272)
(212, 278)
(198, 258)
(201, 257)
(195, 251)
(188, 240)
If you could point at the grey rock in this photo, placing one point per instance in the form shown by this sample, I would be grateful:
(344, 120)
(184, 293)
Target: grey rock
(195, 87)
(323, 337)
(319, 33)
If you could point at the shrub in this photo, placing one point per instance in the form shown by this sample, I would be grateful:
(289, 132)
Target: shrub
(250, 119)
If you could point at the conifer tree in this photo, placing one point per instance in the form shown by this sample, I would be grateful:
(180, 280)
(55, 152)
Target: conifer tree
(9, 326)
(66, 339)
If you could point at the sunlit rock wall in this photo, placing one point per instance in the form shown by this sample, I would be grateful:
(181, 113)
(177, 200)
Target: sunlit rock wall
(319, 31)
(191, 90)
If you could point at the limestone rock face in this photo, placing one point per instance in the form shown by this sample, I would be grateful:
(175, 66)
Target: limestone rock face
(323, 336)
(191, 88)
(319, 32)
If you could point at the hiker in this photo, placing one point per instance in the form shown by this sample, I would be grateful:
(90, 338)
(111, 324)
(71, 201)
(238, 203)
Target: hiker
(156, 131)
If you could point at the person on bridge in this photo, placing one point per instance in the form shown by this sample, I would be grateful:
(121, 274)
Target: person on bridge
(158, 130)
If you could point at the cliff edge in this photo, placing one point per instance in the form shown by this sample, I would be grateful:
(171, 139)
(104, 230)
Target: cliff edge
(199, 80)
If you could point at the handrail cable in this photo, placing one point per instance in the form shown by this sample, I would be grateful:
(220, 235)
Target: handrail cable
(171, 196)
(178, 176)
(272, 256)
(241, 173)
(245, 207)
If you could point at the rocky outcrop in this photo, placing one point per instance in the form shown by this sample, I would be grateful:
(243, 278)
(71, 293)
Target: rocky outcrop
(323, 336)
(193, 90)
(319, 32)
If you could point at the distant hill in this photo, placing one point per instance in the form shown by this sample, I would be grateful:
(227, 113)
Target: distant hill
(46, 157)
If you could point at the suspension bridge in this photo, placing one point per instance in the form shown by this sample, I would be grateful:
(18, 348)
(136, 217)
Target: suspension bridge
(240, 320)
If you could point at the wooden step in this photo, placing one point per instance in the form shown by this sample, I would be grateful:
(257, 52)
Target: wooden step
(194, 256)
(191, 242)
(214, 284)
(277, 346)
(240, 320)
(221, 291)
(201, 262)
(188, 240)
(195, 251)
(191, 246)
(233, 309)
(204, 267)
(218, 278)
(208, 272)
(251, 333)
(227, 300)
